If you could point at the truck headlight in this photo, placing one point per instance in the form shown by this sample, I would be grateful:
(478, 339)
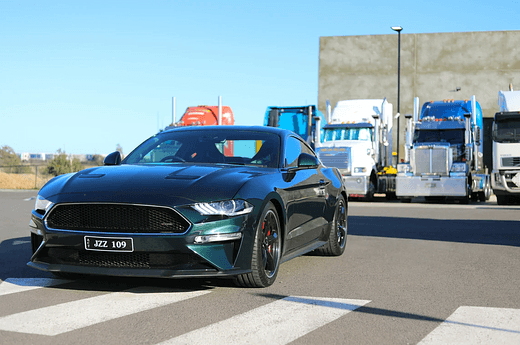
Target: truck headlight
(458, 167)
(360, 170)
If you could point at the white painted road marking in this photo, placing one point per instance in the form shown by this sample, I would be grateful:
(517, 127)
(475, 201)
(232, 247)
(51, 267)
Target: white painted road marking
(278, 322)
(70, 316)
(15, 285)
(478, 325)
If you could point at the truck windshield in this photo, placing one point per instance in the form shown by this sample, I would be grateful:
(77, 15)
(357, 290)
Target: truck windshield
(344, 133)
(507, 131)
(452, 136)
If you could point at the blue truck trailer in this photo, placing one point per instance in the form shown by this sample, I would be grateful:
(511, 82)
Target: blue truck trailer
(445, 156)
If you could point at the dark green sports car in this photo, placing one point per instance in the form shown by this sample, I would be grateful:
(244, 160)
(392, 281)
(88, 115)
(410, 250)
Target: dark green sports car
(205, 201)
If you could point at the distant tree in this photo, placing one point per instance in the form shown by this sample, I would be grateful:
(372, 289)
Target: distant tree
(120, 149)
(97, 160)
(8, 157)
(61, 164)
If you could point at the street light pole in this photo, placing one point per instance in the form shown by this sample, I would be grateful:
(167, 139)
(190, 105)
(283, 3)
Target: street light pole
(398, 29)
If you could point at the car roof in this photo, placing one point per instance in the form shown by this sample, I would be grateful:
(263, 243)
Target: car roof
(279, 131)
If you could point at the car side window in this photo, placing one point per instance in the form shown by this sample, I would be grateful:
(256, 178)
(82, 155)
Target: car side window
(293, 149)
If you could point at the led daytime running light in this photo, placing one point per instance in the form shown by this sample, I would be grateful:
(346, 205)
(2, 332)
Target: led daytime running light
(228, 208)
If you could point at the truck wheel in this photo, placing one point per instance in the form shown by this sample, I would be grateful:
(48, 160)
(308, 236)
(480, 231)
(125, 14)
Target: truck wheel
(371, 191)
(464, 200)
(503, 199)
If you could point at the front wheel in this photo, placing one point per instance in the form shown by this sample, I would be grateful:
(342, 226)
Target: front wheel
(338, 233)
(267, 250)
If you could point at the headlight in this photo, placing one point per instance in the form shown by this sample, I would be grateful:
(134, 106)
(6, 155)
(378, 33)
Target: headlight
(360, 170)
(458, 167)
(42, 205)
(228, 208)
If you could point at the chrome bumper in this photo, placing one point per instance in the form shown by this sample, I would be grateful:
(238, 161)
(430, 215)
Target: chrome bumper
(415, 186)
(356, 184)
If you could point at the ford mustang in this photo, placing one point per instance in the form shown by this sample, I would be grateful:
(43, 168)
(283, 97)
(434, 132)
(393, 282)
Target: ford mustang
(204, 201)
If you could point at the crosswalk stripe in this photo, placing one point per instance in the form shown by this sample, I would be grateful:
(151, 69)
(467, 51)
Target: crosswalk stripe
(65, 317)
(278, 322)
(15, 285)
(478, 325)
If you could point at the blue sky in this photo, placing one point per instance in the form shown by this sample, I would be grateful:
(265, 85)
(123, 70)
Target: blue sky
(85, 76)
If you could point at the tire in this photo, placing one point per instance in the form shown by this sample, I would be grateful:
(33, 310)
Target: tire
(503, 200)
(267, 250)
(338, 233)
(370, 192)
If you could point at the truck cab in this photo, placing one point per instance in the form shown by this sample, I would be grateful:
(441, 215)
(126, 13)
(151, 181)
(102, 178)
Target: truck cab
(505, 177)
(445, 156)
(358, 141)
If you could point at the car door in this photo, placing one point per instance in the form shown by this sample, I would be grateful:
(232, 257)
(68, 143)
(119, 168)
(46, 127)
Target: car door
(304, 196)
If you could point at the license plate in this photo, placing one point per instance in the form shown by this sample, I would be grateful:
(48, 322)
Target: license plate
(109, 244)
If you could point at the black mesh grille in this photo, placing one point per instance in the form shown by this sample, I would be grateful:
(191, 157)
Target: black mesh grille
(117, 218)
(124, 260)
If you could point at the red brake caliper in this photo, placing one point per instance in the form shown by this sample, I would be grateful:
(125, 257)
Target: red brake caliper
(268, 234)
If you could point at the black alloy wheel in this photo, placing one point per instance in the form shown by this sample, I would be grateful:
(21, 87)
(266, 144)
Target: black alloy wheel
(267, 250)
(338, 233)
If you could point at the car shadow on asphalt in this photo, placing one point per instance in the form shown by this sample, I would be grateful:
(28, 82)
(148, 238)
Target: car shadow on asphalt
(495, 232)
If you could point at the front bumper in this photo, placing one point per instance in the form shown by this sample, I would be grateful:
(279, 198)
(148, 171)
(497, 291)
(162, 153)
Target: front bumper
(153, 255)
(505, 182)
(416, 186)
(356, 185)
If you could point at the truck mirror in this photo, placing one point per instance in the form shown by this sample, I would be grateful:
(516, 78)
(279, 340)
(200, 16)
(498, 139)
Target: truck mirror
(478, 136)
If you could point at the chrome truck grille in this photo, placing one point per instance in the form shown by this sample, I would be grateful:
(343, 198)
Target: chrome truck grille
(432, 160)
(338, 159)
(513, 162)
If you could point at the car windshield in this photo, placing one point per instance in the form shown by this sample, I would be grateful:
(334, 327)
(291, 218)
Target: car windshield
(452, 136)
(332, 134)
(222, 146)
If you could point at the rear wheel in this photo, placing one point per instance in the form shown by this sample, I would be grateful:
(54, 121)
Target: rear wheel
(338, 233)
(267, 249)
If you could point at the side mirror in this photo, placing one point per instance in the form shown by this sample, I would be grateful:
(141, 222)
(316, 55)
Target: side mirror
(306, 160)
(113, 159)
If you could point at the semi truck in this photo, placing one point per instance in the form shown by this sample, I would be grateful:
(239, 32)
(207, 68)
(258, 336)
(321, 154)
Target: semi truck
(445, 158)
(358, 141)
(505, 176)
(208, 115)
(303, 120)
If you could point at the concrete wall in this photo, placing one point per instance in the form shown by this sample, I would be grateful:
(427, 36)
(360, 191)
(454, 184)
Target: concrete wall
(433, 67)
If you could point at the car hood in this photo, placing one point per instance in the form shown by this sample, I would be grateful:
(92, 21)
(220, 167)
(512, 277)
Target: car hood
(172, 184)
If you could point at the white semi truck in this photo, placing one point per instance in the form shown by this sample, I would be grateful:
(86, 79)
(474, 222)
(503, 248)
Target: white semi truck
(505, 177)
(358, 141)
